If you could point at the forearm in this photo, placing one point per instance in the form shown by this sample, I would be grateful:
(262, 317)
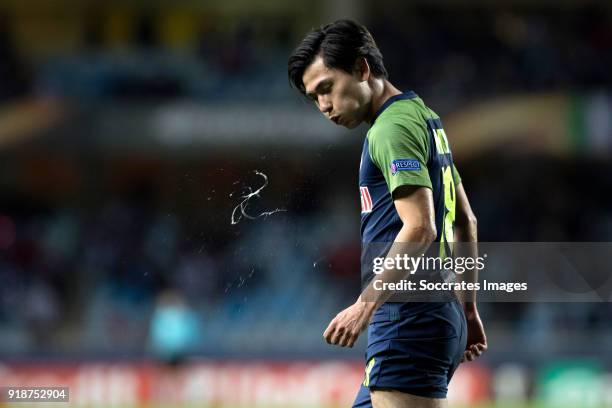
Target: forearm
(466, 238)
(412, 241)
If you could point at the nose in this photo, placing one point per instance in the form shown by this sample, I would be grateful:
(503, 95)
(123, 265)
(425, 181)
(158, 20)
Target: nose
(325, 105)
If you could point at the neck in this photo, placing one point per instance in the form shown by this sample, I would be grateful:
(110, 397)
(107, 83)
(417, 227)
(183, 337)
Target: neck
(381, 91)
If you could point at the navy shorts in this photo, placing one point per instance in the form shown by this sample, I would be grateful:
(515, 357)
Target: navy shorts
(413, 348)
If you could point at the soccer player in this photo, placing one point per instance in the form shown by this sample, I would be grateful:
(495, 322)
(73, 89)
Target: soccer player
(410, 193)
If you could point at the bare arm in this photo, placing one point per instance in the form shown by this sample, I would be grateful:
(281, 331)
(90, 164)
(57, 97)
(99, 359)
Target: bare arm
(466, 235)
(415, 208)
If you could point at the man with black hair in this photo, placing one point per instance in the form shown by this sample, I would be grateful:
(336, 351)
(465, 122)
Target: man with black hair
(410, 193)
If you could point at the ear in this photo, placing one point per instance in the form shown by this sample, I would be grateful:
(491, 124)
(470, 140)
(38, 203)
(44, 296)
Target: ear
(362, 68)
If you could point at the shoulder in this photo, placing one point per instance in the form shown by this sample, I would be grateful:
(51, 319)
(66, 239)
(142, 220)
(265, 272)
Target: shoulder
(404, 122)
(405, 117)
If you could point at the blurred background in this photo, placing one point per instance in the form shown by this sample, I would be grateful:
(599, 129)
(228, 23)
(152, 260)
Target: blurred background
(129, 131)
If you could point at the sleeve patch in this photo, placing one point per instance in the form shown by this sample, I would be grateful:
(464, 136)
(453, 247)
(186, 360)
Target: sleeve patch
(405, 165)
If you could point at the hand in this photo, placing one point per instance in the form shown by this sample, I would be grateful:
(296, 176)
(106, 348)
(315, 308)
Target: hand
(346, 327)
(476, 339)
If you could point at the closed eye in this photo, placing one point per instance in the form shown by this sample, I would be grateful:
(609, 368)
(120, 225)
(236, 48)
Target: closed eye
(323, 88)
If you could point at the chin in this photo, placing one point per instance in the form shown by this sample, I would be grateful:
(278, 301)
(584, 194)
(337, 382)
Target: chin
(352, 124)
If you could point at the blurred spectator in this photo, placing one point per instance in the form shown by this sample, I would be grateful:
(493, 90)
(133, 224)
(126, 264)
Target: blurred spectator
(174, 328)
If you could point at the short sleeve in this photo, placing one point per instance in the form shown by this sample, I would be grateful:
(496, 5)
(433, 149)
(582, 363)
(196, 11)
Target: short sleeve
(401, 154)
(456, 176)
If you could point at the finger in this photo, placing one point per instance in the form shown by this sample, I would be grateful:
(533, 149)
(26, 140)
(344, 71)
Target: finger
(482, 346)
(337, 335)
(468, 356)
(348, 339)
(478, 349)
(353, 340)
(344, 340)
(329, 332)
(475, 350)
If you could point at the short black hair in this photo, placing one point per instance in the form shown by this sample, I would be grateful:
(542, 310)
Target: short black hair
(340, 44)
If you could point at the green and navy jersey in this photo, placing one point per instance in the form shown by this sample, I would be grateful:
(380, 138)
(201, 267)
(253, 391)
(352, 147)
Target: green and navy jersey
(406, 145)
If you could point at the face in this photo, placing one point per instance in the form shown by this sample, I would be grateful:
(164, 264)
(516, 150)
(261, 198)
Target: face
(342, 97)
